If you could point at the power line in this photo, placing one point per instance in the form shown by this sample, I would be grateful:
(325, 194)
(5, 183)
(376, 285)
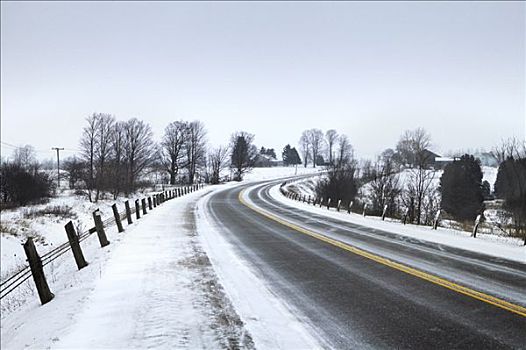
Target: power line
(39, 150)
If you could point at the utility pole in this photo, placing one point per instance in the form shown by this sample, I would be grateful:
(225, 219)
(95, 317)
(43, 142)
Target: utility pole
(58, 165)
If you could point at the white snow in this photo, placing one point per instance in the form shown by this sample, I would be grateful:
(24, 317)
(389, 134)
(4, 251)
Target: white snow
(151, 287)
(257, 174)
(489, 174)
(505, 247)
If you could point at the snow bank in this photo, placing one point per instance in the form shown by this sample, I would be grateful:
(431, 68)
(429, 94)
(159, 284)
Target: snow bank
(503, 247)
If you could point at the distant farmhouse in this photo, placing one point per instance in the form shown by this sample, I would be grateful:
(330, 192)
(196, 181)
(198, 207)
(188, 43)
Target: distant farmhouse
(265, 161)
(438, 162)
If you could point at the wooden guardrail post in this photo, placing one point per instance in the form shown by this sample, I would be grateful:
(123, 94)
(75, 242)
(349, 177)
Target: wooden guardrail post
(117, 217)
(37, 270)
(350, 207)
(154, 200)
(364, 209)
(435, 222)
(328, 203)
(73, 239)
(128, 212)
(384, 212)
(143, 203)
(137, 210)
(149, 203)
(103, 240)
(321, 202)
(475, 228)
(339, 204)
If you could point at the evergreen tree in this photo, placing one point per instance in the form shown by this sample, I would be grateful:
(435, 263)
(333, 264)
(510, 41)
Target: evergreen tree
(290, 156)
(294, 156)
(486, 190)
(243, 154)
(511, 186)
(461, 188)
(286, 154)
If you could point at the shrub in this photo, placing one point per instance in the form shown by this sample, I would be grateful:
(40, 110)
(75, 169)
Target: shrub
(461, 188)
(19, 187)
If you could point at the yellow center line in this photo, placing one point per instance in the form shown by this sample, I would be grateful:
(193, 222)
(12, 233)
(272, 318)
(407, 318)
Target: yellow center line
(517, 309)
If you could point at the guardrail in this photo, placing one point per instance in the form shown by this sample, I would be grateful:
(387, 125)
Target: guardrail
(348, 206)
(36, 263)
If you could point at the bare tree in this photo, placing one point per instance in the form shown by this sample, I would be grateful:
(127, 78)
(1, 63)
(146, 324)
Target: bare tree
(331, 137)
(243, 153)
(25, 158)
(75, 169)
(413, 149)
(139, 150)
(118, 169)
(315, 137)
(173, 155)
(509, 148)
(104, 133)
(305, 147)
(88, 146)
(195, 148)
(217, 161)
(345, 151)
(413, 146)
(385, 187)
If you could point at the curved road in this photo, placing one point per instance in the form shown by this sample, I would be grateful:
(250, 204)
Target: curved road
(355, 302)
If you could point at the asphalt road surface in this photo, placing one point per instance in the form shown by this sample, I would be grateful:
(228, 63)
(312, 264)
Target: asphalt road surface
(355, 302)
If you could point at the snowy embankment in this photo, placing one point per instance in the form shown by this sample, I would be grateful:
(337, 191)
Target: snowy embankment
(503, 247)
(153, 286)
(45, 223)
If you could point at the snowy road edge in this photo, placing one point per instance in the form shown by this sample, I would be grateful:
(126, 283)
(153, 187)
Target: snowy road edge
(270, 322)
(497, 249)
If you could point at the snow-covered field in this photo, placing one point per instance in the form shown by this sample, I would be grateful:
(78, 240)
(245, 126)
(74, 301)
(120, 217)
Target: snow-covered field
(504, 247)
(257, 174)
(48, 229)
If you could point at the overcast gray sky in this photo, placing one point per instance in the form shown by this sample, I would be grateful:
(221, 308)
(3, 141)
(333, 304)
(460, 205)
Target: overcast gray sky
(369, 70)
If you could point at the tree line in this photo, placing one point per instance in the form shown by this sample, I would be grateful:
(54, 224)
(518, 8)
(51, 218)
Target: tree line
(406, 181)
(119, 157)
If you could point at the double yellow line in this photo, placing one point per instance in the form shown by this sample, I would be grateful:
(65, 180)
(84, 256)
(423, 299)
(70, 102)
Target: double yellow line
(517, 309)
